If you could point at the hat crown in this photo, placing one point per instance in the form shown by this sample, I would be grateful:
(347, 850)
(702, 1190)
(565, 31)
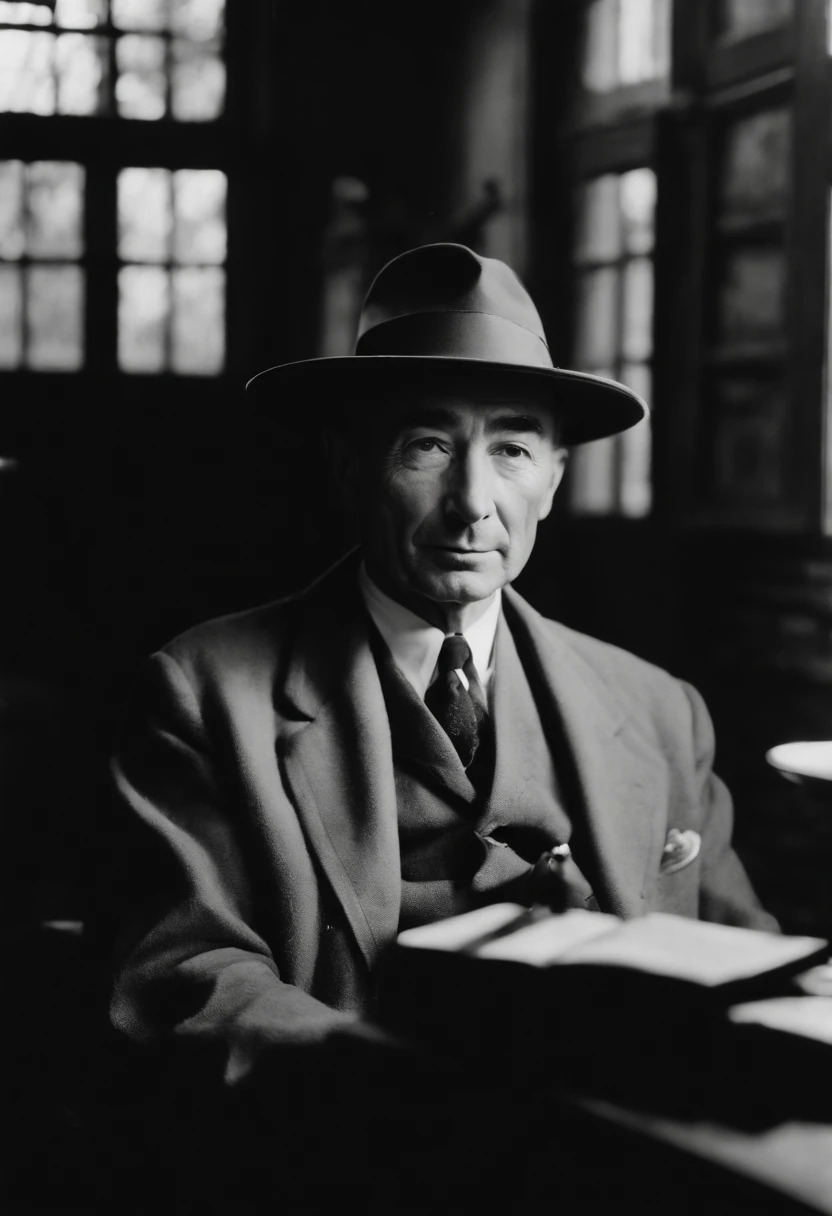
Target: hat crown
(471, 299)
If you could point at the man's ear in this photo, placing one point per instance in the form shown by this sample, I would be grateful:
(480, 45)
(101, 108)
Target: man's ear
(343, 465)
(558, 470)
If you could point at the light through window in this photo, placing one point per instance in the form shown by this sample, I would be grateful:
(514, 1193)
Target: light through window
(41, 278)
(626, 42)
(614, 333)
(137, 59)
(172, 243)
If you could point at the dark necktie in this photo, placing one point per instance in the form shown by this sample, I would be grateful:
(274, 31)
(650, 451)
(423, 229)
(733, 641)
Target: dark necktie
(460, 711)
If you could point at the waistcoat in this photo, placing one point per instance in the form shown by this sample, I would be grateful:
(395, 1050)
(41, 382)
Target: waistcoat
(463, 846)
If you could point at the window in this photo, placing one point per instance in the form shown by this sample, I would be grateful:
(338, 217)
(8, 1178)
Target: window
(745, 342)
(41, 271)
(733, 137)
(139, 59)
(624, 77)
(614, 332)
(626, 42)
(171, 283)
(142, 245)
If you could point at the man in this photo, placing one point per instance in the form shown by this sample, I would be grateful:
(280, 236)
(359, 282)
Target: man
(407, 737)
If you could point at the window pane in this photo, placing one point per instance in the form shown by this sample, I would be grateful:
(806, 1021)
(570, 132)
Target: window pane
(751, 295)
(756, 166)
(55, 208)
(80, 14)
(643, 40)
(144, 215)
(199, 320)
(741, 18)
(600, 70)
(592, 477)
(12, 241)
(26, 81)
(597, 220)
(55, 312)
(748, 440)
(636, 494)
(11, 311)
(200, 20)
(637, 321)
(827, 471)
(140, 88)
(25, 14)
(638, 205)
(199, 201)
(140, 14)
(596, 333)
(81, 68)
(143, 306)
(197, 82)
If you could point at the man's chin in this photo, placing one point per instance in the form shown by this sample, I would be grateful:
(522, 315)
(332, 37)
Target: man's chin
(459, 587)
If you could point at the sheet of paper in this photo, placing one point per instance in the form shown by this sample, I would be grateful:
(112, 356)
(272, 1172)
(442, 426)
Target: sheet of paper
(458, 932)
(545, 942)
(697, 951)
(810, 1016)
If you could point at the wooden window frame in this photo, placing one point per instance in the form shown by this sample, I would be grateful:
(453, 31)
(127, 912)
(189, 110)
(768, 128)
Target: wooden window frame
(679, 139)
(234, 143)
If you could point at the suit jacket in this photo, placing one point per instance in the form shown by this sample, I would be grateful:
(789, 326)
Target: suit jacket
(257, 780)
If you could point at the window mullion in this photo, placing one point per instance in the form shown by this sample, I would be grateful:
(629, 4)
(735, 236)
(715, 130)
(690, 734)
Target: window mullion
(100, 238)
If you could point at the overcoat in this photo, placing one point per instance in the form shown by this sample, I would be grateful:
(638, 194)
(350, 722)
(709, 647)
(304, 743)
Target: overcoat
(257, 783)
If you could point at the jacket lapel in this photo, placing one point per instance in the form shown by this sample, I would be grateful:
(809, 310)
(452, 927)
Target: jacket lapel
(338, 761)
(417, 737)
(616, 774)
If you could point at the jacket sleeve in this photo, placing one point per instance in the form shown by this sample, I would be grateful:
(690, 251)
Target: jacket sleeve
(189, 964)
(725, 894)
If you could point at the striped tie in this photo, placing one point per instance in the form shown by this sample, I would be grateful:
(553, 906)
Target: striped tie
(456, 698)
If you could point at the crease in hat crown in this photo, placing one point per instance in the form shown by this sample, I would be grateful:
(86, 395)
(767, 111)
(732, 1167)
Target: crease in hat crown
(443, 292)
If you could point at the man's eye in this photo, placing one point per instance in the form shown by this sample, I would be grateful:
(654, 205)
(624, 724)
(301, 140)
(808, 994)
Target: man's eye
(513, 450)
(426, 449)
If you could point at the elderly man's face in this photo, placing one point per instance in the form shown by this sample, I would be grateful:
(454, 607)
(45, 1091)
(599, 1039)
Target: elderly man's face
(452, 494)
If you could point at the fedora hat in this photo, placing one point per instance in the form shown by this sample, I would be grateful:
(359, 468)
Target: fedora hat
(441, 315)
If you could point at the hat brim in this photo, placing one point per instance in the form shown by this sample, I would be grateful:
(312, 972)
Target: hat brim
(585, 407)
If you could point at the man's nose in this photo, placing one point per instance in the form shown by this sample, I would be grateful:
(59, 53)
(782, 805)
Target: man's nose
(469, 493)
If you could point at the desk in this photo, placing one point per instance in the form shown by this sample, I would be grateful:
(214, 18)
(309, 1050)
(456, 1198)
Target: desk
(792, 1159)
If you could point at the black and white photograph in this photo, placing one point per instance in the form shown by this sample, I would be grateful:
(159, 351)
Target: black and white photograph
(416, 607)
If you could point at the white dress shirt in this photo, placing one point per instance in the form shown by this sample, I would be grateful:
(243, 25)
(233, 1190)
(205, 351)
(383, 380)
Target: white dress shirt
(415, 644)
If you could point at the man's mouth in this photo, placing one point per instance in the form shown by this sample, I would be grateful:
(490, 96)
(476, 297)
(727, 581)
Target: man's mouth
(459, 549)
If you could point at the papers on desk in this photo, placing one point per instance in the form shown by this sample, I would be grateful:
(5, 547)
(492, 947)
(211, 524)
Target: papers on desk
(807, 1016)
(707, 955)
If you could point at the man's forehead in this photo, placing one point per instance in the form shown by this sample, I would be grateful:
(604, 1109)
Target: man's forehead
(456, 411)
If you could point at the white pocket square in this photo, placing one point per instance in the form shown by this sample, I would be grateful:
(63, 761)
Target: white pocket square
(680, 850)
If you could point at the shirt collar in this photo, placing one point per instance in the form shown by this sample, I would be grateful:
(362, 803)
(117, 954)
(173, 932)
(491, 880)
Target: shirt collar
(415, 644)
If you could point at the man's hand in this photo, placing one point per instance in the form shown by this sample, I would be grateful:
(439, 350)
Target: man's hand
(558, 884)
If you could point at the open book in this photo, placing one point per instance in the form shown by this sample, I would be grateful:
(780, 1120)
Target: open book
(698, 952)
(486, 964)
